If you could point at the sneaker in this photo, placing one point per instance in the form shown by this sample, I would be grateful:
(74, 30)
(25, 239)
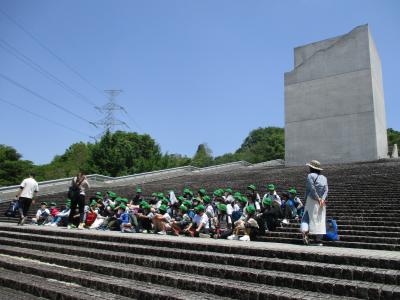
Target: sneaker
(306, 241)
(204, 236)
(233, 237)
(162, 232)
(245, 238)
(81, 226)
(53, 224)
(23, 220)
(71, 226)
(145, 231)
(285, 221)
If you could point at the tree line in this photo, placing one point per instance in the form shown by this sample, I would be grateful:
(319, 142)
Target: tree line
(123, 153)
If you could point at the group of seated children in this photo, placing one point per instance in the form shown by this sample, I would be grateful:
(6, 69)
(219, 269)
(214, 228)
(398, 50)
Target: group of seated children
(225, 214)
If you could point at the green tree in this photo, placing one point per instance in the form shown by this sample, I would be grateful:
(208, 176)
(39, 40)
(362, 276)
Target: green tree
(174, 160)
(122, 153)
(12, 168)
(393, 137)
(263, 144)
(203, 156)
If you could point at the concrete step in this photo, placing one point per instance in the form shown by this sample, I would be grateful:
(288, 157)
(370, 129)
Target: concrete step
(11, 294)
(100, 285)
(348, 232)
(231, 266)
(343, 238)
(45, 288)
(344, 244)
(153, 245)
(193, 285)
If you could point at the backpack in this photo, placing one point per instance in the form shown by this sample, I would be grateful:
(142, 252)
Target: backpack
(331, 230)
(12, 210)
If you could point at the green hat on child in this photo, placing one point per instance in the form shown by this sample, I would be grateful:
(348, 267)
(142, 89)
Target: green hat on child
(43, 203)
(206, 199)
(112, 194)
(53, 204)
(243, 199)
(165, 201)
(160, 196)
(251, 187)
(221, 207)
(228, 190)
(271, 187)
(187, 203)
(180, 198)
(138, 190)
(202, 192)
(124, 200)
(267, 201)
(183, 208)
(93, 203)
(163, 208)
(250, 209)
(292, 191)
(122, 206)
(199, 208)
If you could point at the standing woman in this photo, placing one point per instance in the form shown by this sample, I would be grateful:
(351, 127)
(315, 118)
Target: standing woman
(315, 208)
(76, 193)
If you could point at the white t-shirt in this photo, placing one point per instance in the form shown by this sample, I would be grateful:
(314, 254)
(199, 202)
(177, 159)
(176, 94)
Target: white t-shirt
(167, 217)
(29, 187)
(229, 209)
(201, 219)
(42, 211)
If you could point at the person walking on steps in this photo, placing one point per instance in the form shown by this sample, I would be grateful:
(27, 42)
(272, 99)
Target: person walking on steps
(76, 193)
(26, 196)
(313, 221)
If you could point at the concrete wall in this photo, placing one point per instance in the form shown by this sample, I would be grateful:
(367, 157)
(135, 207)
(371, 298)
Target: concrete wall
(334, 107)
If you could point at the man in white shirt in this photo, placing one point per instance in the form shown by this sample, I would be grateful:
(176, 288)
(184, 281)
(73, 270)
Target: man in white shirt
(26, 196)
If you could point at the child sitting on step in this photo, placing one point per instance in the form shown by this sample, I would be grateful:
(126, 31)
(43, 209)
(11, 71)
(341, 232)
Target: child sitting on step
(41, 215)
(247, 226)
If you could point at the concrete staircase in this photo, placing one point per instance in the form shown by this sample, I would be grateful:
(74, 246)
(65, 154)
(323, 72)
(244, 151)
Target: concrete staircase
(70, 264)
(364, 198)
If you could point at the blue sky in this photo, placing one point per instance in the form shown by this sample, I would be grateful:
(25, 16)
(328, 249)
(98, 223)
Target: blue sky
(191, 71)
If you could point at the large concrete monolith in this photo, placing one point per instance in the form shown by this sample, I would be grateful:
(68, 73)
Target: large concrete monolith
(334, 102)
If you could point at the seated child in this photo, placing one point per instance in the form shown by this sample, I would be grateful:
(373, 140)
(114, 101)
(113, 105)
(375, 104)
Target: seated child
(91, 214)
(181, 221)
(145, 217)
(162, 220)
(223, 223)
(125, 223)
(200, 223)
(61, 218)
(41, 215)
(246, 226)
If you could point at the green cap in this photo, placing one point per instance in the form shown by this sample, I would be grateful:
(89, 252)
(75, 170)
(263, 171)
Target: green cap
(221, 207)
(228, 190)
(251, 187)
(146, 206)
(93, 203)
(243, 199)
(250, 209)
(183, 208)
(112, 194)
(218, 193)
(112, 206)
(163, 208)
(206, 199)
(160, 196)
(99, 194)
(199, 208)
(271, 187)
(187, 191)
(118, 199)
(154, 194)
(138, 190)
(202, 191)
(99, 197)
(43, 203)
(53, 204)
(187, 203)
(181, 198)
(165, 201)
(124, 200)
(292, 191)
(122, 206)
(267, 201)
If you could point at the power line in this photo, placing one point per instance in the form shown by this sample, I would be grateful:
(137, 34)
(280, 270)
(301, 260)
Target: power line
(45, 99)
(44, 118)
(28, 61)
(51, 52)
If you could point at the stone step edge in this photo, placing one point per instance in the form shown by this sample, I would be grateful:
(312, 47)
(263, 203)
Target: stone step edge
(309, 284)
(379, 259)
(119, 287)
(30, 284)
(375, 275)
